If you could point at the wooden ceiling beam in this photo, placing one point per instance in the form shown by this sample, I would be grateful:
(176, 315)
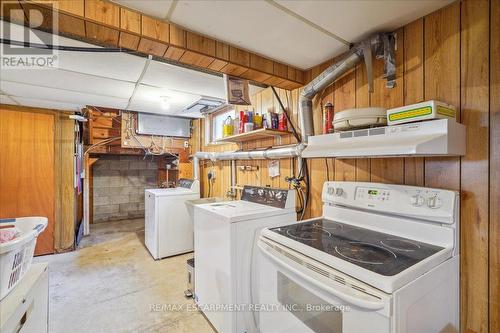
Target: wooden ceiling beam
(108, 23)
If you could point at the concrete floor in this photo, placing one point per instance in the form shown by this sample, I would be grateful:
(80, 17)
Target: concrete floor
(112, 284)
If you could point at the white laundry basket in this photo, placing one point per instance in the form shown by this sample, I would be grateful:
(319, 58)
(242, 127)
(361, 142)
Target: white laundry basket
(16, 255)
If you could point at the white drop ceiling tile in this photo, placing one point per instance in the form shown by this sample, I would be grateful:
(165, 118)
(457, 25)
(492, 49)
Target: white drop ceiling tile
(4, 99)
(61, 79)
(118, 66)
(183, 79)
(259, 27)
(149, 99)
(48, 104)
(154, 8)
(353, 20)
(58, 95)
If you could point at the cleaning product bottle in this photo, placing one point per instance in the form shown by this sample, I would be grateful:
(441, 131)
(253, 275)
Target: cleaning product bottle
(328, 118)
(282, 122)
(243, 120)
(228, 129)
(257, 120)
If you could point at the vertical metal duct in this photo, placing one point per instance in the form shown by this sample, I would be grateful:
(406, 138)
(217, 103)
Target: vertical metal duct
(381, 44)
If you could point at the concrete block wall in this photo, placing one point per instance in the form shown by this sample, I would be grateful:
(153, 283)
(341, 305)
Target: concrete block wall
(119, 184)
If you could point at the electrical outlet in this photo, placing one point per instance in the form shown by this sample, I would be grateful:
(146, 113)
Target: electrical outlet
(249, 167)
(186, 144)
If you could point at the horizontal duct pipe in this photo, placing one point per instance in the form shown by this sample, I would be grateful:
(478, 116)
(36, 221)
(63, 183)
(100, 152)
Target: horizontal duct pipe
(265, 154)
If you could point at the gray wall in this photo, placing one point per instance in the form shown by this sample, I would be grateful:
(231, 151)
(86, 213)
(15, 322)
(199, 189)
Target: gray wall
(119, 183)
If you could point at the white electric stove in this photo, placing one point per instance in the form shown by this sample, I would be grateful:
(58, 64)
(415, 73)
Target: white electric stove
(383, 258)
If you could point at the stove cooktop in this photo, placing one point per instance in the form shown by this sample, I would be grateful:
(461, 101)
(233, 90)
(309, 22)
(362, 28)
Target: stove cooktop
(378, 252)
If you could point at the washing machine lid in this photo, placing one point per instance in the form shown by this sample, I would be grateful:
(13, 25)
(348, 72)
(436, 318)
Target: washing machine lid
(160, 192)
(239, 210)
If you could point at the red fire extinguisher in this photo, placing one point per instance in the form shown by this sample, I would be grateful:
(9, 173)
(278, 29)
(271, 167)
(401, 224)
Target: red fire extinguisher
(328, 118)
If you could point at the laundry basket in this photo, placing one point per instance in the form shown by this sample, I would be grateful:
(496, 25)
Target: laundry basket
(16, 255)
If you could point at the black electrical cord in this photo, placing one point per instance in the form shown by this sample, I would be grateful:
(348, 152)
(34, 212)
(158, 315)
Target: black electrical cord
(301, 202)
(327, 169)
(306, 181)
(294, 131)
(65, 48)
(304, 169)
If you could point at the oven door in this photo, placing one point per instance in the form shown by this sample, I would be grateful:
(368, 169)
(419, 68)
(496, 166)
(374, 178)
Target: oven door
(300, 295)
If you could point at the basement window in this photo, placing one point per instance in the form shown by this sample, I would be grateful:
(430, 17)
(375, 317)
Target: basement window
(214, 124)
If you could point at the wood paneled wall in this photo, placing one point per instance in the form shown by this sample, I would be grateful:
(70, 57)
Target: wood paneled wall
(450, 55)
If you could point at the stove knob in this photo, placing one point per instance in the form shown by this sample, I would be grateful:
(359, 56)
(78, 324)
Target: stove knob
(331, 190)
(417, 200)
(279, 195)
(434, 202)
(339, 191)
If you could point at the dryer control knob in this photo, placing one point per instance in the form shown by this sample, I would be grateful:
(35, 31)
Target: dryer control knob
(331, 190)
(434, 202)
(417, 200)
(339, 191)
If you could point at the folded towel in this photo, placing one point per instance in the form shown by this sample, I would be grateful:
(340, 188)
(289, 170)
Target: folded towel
(8, 233)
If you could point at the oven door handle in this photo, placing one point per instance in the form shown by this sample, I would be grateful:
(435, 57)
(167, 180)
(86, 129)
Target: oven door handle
(351, 299)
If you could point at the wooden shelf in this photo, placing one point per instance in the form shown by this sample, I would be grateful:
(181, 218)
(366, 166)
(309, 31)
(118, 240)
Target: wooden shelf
(254, 135)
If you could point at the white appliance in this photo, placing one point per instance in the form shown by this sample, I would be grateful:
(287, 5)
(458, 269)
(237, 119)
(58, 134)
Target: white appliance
(420, 111)
(26, 307)
(383, 258)
(359, 118)
(441, 137)
(225, 253)
(168, 225)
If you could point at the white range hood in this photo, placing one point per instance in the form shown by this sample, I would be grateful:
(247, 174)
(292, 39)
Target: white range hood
(443, 137)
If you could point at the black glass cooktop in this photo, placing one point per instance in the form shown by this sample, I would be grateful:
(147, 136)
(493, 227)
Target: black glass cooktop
(381, 253)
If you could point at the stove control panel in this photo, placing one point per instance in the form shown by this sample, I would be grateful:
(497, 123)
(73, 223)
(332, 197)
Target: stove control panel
(420, 202)
(372, 194)
(273, 197)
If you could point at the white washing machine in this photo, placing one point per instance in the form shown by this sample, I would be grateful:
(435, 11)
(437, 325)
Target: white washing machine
(226, 253)
(168, 226)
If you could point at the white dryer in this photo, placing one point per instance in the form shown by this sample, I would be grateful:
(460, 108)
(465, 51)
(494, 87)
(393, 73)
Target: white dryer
(168, 226)
(226, 253)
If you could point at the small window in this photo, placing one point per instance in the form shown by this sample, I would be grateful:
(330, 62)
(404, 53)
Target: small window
(214, 124)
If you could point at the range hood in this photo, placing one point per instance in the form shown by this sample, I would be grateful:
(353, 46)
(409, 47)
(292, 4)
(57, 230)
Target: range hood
(443, 137)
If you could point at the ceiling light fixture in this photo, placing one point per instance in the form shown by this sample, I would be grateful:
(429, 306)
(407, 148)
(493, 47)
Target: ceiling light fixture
(165, 102)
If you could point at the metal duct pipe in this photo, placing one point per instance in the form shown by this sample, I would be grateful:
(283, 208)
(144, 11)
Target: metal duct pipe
(378, 43)
(265, 154)
(273, 153)
(319, 83)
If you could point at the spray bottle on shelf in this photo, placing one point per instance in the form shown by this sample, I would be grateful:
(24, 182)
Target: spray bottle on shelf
(328, 118)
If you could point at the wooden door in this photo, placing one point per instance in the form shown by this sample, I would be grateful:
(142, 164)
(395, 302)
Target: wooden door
(27, 174)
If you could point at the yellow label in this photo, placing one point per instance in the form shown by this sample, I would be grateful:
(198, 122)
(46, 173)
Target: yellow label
(446, 111)
(407, 114)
